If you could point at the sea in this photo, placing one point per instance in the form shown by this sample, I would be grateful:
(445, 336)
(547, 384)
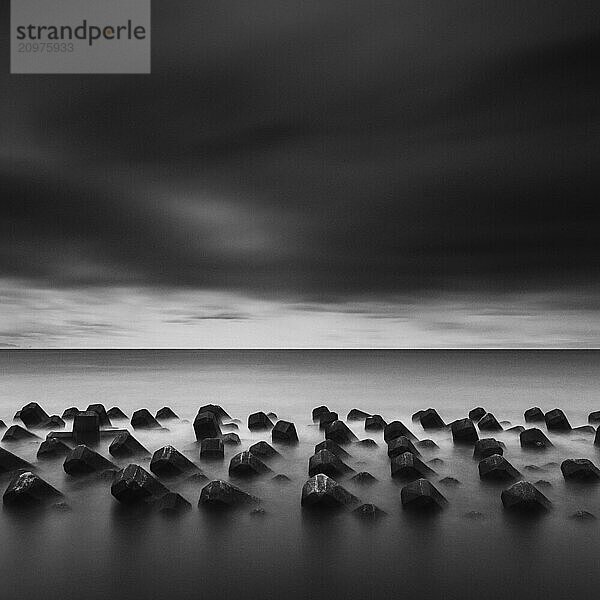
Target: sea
(96, 548)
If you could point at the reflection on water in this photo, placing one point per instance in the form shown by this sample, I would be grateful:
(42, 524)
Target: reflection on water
(100, 549)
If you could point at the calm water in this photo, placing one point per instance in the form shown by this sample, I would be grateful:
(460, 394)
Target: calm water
(98, 549)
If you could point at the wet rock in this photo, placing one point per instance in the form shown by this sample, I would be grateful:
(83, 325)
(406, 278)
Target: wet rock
(449, 481)
(524, 497)
(172, 504)
(582, 515)
(328, 463)
(396, 429)
(585, 429)
(534, 438)
(368, 512)
(212, 448)
(463, 432)
(10, 462)
(231, 439)
(476, 413)
(259, 421)
(430, 419)
(367, 443)
(83, 460)
(332, 447)
(363, 478)
(317, 412)
(169, 462)
(263, 450)
(489, 423)
(219, 412)
(134, 485)
(206, 425)
(497, 468)
(16, 433)
(117, 414)
(340, 433)
(357, 415)
(427, 445)
(69, 413)
(52, 448)
(26, 489)
(543, 483)
(409, 466)
(416, 417)
(486, 447)
(516, 429)
(125, 446)
(556, 420)
(534, 415)
(222, 495)
(166, 414)
(326, 419)
(101, 412)
(474, 515)
(400, 445)
(580, 469)
(284, 432)
(322, 491)
(594, 417)
(54, 422)
(142, 419)
(281, 478)
(375, 423)
(245, 464)
(86, 428)
(422, 495)
(33, 415)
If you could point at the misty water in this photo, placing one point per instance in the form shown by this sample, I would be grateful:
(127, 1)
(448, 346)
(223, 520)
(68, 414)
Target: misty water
(101, 549)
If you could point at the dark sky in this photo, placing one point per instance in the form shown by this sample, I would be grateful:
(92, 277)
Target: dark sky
(321, 153)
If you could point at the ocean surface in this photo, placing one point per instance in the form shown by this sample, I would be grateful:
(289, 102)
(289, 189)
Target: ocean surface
(100, 549)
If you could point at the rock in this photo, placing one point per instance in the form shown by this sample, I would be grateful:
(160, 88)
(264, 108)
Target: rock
(284, 432)
(230, 427)
(101, 412)
(107, 474)
(69, 413)
(525, 497)
(580, 469)
(10, 462)
(134, 485)
(245, 464)
(534, 415)
(197, 477)
(582, 515)
(489, 423)
(258, 512)
(272, 416)
(543, 483)
(594, 417)
(263, 450)
(125, 445)
(357, 415)
(142, 419)
(17, 415)
(416, 417)
(2, 424)
(422, 495)
(476, 413)
(516, 429)
(172, 504)
(533, 468)
(449, 481)
(400, 445)
(435, 462)
(206, 425)
(86, 428)
(26, 489)
(396, 429)
(61, 507)
(83, 460)
(52, 448)
(367, 443)
(534, 438)
(231, 439)
(332, 447)
(54, 422)
(33, 415)
(215, 409)
(408, 466)
(221, 495)
(556, 420)
(16, 433)
(363, 478)
(280, 478)
(317, 412)
(259, 421)
(497, 468)
(169, 462)
(486, 447)
(431, 420)
(212, 448)
(328, 463)
(321, 491)
(117, 414)
(326, 419)
(340, 433)
(463, 432)
(427, 445)
(375, 423)
(597, 437)
(474, 515)
(368, 512)
(166, 414)
(585, 429)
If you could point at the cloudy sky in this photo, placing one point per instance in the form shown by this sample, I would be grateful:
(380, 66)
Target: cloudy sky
(311, 174)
